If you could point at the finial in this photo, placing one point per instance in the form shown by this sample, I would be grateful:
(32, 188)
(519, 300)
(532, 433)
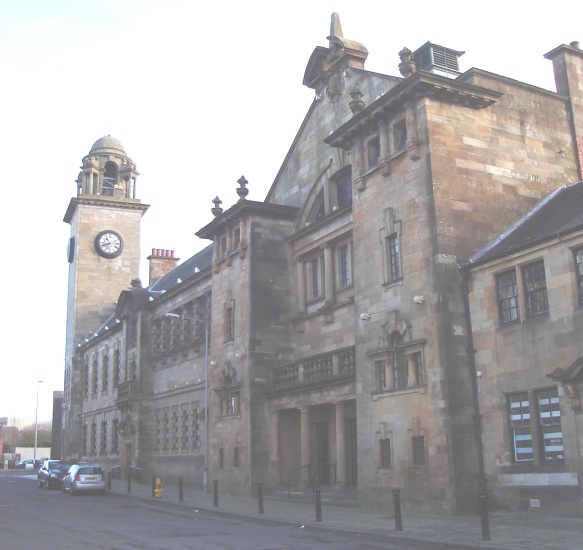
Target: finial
(335, 27)
(407, 66)
(242, 191)
(217, 209)
(356, 105)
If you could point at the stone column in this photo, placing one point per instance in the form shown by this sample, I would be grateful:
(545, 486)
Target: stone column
(305, 444)
(274, 473)
(340, 445)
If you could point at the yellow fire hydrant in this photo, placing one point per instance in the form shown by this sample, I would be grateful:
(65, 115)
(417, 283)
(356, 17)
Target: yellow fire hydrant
(158, 488)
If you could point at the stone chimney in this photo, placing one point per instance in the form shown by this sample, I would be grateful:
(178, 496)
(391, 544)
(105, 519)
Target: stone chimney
(568, 69)
(161, 262)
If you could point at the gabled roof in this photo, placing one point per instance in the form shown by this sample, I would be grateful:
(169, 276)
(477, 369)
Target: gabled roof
(181, 273)
(557, 215)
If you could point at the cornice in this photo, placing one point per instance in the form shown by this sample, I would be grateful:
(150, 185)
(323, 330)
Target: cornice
(101, 201)
(420, 84)
(245, 208)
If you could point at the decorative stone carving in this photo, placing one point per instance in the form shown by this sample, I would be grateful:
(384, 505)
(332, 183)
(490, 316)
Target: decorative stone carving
(217, 209)
(356, 104)
(407, 66)
(242, 191)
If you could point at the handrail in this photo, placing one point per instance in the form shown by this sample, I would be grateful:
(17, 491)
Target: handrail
(293, 472)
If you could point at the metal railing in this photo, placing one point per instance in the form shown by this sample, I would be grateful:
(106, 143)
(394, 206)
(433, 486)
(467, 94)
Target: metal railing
(311, 480)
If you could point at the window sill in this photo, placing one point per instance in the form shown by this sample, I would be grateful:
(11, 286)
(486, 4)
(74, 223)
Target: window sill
(394, 282)
(393, 393)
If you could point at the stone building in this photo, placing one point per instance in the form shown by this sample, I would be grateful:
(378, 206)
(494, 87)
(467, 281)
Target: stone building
(525, 298)
(322, 336)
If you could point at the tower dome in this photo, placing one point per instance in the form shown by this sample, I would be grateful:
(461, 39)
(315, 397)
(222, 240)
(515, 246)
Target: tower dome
(108, 144)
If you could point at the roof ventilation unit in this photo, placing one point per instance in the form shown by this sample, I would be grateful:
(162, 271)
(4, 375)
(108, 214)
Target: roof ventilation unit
(438, 60)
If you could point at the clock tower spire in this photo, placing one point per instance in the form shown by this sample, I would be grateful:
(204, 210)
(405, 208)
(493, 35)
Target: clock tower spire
(103, 254)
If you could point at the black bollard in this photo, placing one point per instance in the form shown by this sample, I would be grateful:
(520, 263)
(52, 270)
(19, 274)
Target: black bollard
(129, 482)
(216, 493)
(153, 486)
(318, 505)
(397, 501)
(109, 480)
(180, 489)
(260, 497)
(483, 503)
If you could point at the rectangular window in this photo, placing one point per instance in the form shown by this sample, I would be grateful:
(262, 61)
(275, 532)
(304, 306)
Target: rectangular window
(400, 371)
(380, 375)
(373, 153)
(385, 449)
(93, 450)
(230, 321)
(415, 359)
(549, 414)
(232, 401)
(115, 437)
(105, 373)
(184, 433)
(94, 377)
(223, 245)
(236, 238)
(579, 272)
(507, 289)
(115, 368)
(418, 443)
(521, 427)
(86, 380)
(400, 135)
(393, 253)
(221, 458)
(345, 262)
(103, 447)
(535, 287)
(314, 278)
(236, 457)
(344, 189)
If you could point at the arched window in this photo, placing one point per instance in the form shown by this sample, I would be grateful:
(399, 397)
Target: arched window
(109, 178)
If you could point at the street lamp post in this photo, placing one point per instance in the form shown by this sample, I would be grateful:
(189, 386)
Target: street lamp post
(206, 390)
(36, 420)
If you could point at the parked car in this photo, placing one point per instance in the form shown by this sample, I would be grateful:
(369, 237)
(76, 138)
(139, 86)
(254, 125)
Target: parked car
(52, 472)
(83, 478)
(29, 464)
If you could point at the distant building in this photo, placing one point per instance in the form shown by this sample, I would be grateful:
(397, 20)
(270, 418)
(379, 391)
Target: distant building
(322, 337)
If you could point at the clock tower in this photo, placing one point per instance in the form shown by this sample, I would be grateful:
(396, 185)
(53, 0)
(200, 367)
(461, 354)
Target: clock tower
(103, 254)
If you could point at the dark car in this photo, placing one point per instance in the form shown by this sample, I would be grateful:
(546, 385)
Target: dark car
(83, 478)
(52, 473)
(29, 464)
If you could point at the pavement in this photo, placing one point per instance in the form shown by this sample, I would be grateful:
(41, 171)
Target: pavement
(509, 530)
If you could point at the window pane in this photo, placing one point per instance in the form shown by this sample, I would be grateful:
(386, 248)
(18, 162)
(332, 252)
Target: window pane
(345, 268)
(520, 426)
(395, 269)
(507, 288)
(344, 190)
(535, 286)
(380, 375)
(373, 150)
(385, 449)
(418, 451)
(550, 422)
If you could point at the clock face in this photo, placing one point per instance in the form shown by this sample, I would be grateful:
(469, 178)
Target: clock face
(109, 244)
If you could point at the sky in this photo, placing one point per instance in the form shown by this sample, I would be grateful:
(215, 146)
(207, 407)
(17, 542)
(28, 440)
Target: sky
(199, 94)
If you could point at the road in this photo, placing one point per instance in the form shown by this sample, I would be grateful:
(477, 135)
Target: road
(39, 518)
